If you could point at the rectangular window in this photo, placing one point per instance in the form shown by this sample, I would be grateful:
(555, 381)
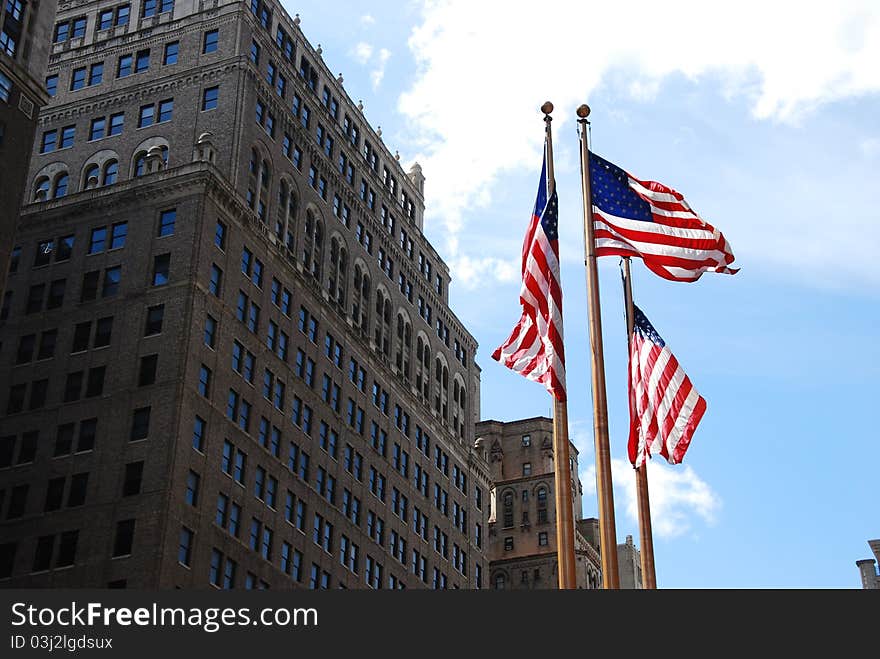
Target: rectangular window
(96, 131)
(116, 123)
(145, 117)
(123, 67)
(161, 267)
(209, 98)
(51, 87)
(170, 55)
(96, 73)
(78, 79)
(142, 61)
(166, 222)
(211, 39)
(166, 109)
(67, 137)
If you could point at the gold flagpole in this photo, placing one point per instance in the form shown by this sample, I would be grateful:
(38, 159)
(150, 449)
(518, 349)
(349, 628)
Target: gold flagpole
(646, 536)
(607, 530)
(561, 460)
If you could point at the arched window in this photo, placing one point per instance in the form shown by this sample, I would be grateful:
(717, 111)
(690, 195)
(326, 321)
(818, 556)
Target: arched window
(337, 277)
(360, 303)
(92, 172)
(500, 582)
(111, 170)
(383, 324)
(458, 407)
(423, 368)
(252, 165)
(140, 164)
(59, 189)
(508, 509)
(403, 352)
(265, 181)
(41, 189)
(281, 217)
(441, 395)
(313, 242)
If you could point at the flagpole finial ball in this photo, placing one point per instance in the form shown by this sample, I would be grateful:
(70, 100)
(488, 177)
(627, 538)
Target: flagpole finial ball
(583, 111)
(547, 108)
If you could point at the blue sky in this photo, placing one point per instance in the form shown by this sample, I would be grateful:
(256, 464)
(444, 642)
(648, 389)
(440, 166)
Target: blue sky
(769, 128)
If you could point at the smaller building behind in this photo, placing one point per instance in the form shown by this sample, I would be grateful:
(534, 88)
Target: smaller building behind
(521, 545)
(867, 567)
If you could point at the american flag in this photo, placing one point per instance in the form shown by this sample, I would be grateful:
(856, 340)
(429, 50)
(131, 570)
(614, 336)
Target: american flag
(653, 222)
(534, 348)
(664, 407)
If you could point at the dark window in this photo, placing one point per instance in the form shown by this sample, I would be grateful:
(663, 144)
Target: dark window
(48, 340)
(89, 286)
(73, 386)
(112, 277)
(7, 559)
(134, 472)
(140, 424)
(103, 332)
(63, 440)
(15, 403)
(17, 502)
(38, 394)
(78, 486)
(95, 384)
(28, 449)
(147, 373)
(87, 430)
(155, 316)
(67, 548)
(124, 539)
(81, 334)
(56, 294)
(161, 266)
(35, 298)
(43, 553)
(54, 494)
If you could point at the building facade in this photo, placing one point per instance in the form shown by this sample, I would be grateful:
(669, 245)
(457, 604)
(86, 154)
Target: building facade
(867, 567)
(629, 558)
(227, 353)
(522, 520)
(25, 36)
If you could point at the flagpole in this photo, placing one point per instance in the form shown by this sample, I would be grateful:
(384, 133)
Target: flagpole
(607, 530)
(646, 535)
(561, 459)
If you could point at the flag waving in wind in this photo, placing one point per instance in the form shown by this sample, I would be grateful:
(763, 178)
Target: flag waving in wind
(653, 222)
(534, 348)
(664, 407)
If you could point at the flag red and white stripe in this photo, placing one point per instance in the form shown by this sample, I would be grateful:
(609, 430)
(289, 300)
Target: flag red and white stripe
(534, 348)
(653, 222)
(665, 408)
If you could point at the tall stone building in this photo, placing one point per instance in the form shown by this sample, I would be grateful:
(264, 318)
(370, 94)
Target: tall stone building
(227, 353)
(25, 34)
(522, 522)
(867, 567)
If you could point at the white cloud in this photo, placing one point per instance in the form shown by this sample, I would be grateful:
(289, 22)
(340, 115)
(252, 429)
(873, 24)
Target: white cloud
(870, 147)
(679, 497)
(494, 63)
(471, 272)
(367, 19)
(377, 74)
(362, 52)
